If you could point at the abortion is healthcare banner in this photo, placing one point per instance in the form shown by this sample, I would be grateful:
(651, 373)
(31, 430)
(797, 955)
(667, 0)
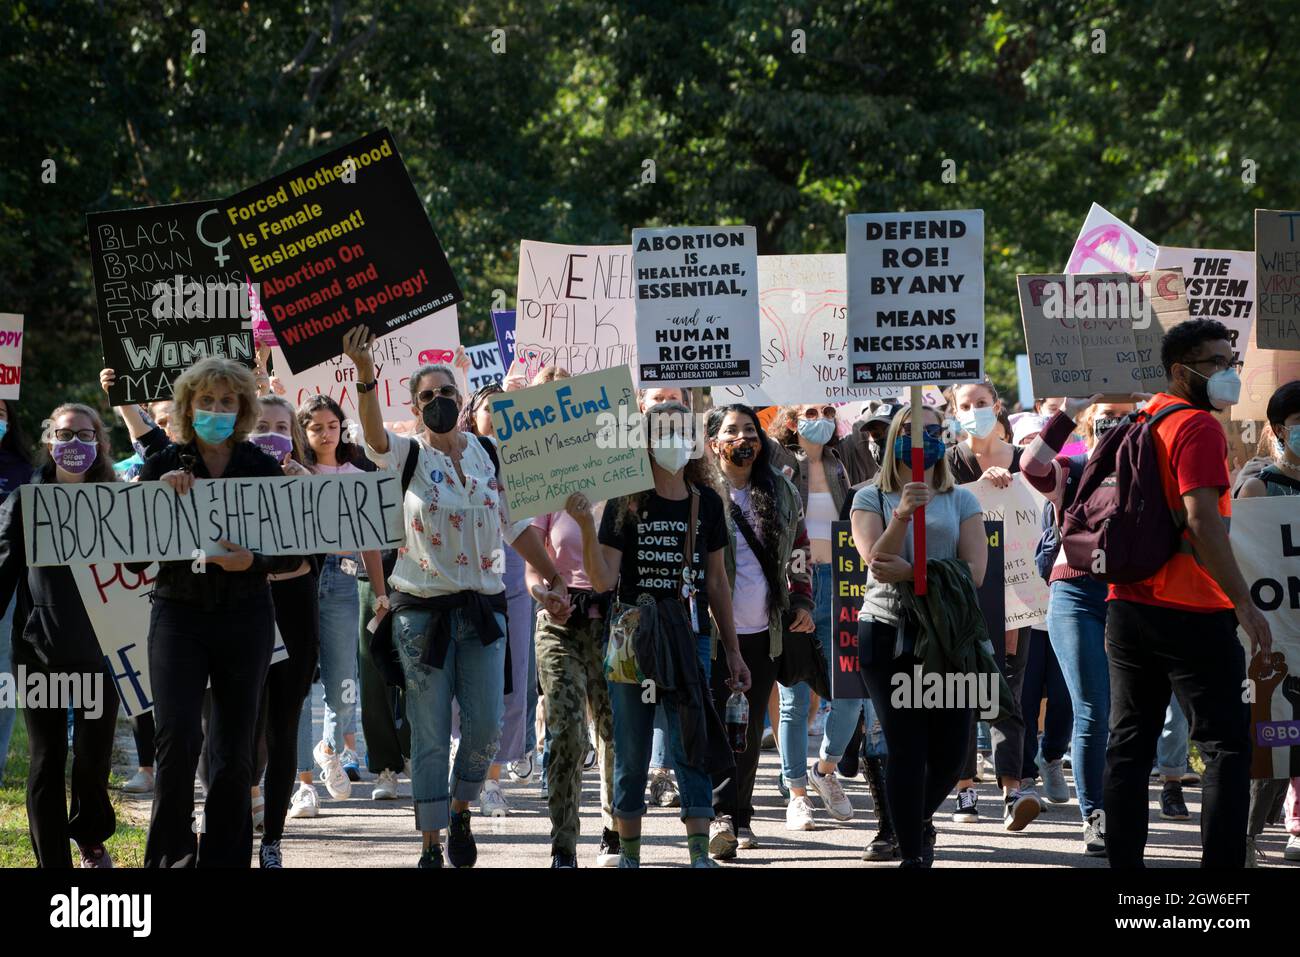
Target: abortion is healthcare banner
(561, 437)
(1265, 539)
(339, 242)
(574, 307)
(916, 297)
(1108, 244)
(1220, 285)
(1277, 247)
(697, 305)
(428, 341)
(169, 291)
(11, 355)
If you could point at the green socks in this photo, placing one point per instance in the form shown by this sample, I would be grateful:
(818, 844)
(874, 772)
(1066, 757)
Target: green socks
(629, 852)
(699, 845)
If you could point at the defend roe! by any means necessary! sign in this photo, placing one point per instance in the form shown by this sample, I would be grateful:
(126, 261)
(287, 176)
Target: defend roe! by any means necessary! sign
(916, 297)
(697, 305)
(339, 242)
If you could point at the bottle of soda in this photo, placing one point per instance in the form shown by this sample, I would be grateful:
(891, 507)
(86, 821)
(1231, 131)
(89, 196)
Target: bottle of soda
(737, 721)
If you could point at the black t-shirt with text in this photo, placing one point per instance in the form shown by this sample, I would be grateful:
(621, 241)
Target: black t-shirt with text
(652, 543)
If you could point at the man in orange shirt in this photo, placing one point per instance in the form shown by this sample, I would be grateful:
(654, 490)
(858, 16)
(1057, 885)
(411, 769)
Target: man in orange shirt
(1179, 627)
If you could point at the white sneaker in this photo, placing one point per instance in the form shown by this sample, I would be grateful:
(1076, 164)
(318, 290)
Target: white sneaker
(305, 802)
(141, 783)
(406, 768)
(1094, 834)
(745, 839)
(521, 770)
(259, 814)
(385, 786)
(492, 803)
(1292, 852)
(332, 773)
(799, 814)
(830, 790)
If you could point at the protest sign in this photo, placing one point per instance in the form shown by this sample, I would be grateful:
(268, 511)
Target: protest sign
(1277, 251)
(485, 365)
(11, 355)
(1264, 371)
(338, 242)
(147, 521)
(503, 325)
(848, 583)
(117, 604)
(916, 297)
(1108, 244)
(1020, 510)
(168, 292)
(1220, 285)
(1099, 333)
(992, 592)
(1024, 384)
(697, 305)
(1265, 538)
(432, 339)
(563, 436)
(574, 307)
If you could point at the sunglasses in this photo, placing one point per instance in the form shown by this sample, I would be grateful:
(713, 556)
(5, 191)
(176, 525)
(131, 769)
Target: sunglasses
(825, 412)
(428, 395)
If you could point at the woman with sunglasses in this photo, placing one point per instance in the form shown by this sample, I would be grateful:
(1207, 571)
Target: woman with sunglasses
(806, 432)
(55, 638)
(927, 746)
(447, 595)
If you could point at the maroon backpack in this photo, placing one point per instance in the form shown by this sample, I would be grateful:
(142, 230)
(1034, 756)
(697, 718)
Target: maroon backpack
(1120, 528)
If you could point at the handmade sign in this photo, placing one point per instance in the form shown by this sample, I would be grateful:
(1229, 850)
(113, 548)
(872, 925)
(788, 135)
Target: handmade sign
(697, 305)
(1263, 372)
(11, 355)
(1020, 510)
(1265, 538)
(570, 435)
(431, 340)
(916, 297)
(1099, 333)
(992, 591)
(575, 307)
(169, 292)
(1220, 285)
(848, 584)
(147, 521)
(1108, 244)
(1277, 250)
(339, 242)
(485, 365)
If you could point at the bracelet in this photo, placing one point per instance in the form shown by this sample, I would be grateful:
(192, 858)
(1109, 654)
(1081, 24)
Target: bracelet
(902, 518)
(381, 601)
(368, 386)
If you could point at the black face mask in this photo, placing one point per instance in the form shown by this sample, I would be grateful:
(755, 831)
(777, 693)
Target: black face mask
(441, 414)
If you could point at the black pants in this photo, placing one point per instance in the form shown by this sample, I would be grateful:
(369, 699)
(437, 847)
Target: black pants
(1198, 654)
(142, 731)
(1043, 679)
(383, 709)
(927, 746)
(288, 683)
(737, 797)
(187, 646)
(89, 819)
(1006, 737)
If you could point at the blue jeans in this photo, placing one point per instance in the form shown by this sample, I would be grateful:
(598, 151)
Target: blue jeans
(340, 608)
(842, 720)
(521, 618)
(658, 749)
(636, 726)
(1171, 749)
(1076, 628)
(474, 674)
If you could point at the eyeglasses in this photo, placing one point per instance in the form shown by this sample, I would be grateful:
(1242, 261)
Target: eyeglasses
(825, 412)
(428, 395)
(1220, 363)
(67, 435)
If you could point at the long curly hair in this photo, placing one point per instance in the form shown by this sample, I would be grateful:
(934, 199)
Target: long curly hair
(700, 470)
(762, 480)
(346, 452)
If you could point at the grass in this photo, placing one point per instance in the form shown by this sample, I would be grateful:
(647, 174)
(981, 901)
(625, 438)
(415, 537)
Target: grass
(126, 846)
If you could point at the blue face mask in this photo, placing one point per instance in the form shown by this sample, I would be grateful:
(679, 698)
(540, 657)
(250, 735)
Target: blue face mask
(214, 427)
(817, 431)
(934, 447)
(1292, 439)
(4, 427)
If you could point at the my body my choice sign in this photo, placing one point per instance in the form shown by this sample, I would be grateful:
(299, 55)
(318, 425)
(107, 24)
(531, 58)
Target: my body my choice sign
(66, 524)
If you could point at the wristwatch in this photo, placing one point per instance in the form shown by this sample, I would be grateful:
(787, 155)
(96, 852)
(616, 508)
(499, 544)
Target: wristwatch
(367, 386)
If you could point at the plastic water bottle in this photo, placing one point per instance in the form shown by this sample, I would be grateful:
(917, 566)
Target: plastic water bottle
(737, 721)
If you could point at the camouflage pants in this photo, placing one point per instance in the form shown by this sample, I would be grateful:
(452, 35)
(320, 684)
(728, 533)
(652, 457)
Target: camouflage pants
(571, 669)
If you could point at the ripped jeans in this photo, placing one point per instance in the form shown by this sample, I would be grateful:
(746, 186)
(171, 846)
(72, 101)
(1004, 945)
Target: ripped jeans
(474, 674)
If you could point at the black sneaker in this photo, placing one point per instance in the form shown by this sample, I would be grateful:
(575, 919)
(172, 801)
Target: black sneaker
(461, 849)
(563, 859)
(607, 853)
(269, 856)
(432, 857)
(931, 839)
(1172, 806)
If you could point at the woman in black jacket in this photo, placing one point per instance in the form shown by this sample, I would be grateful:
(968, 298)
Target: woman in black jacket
(55, 643)
(212, 619)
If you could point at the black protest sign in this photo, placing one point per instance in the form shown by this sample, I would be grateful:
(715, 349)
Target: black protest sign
(848, 582)
(169, 293)
(339, 242)
(993, 592)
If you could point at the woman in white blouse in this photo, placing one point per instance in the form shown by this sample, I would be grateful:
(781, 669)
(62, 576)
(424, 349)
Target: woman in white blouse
(447, 595)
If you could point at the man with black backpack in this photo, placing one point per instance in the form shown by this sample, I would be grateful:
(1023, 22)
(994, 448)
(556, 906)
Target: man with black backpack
(1176, 593)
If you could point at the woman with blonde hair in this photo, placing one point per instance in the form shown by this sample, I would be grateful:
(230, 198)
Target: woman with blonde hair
(212, 621)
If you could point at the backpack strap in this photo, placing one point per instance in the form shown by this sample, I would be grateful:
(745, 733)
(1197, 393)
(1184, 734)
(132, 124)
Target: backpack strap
(1274, 476)
(491, 450)
(412, 460)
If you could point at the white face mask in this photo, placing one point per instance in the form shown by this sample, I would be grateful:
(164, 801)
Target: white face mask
(978, 422)
(672, 455)
(1224, 388)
